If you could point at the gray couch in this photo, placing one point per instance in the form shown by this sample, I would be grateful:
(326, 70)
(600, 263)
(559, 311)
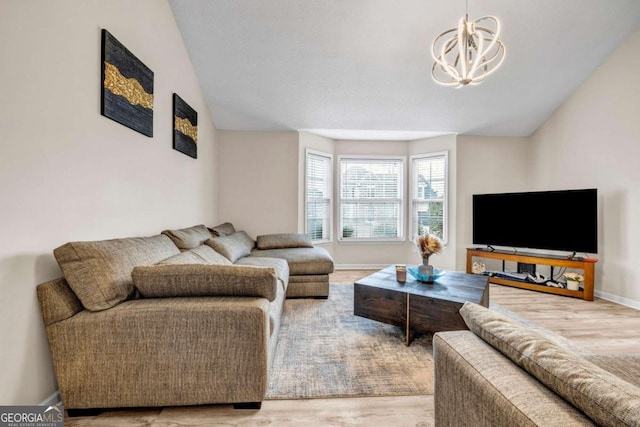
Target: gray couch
(502, 373)
(185, 317)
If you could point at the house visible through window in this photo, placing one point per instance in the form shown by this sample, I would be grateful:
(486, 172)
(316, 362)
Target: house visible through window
(429, 194)
(318, 196)
(371, 198)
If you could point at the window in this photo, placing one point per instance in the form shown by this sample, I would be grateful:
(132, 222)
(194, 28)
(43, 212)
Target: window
(429, 194)
(318, 196)
(371, 198)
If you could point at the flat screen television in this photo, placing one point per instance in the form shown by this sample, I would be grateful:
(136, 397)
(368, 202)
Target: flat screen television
(564, 220)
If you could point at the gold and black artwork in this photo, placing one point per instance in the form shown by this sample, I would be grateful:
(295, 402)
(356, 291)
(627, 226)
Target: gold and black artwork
(185, 128)
(127, 87)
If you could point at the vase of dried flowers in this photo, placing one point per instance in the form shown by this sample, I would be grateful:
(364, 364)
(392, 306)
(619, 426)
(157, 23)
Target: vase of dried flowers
(428, 244)
(425, 268)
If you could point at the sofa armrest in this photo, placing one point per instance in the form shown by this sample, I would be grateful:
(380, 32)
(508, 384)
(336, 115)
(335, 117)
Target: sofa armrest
(163, 352)
(474, 381)
(205, 280)
(57, 301)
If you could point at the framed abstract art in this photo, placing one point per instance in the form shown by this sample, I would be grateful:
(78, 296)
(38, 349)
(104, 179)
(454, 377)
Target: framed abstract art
(127, 87)
(185, 127)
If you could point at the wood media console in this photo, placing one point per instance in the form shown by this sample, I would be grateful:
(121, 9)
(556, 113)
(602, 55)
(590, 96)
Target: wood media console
(586, 265)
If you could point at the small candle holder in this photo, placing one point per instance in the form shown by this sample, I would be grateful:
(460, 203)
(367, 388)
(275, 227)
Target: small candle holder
(401, 273)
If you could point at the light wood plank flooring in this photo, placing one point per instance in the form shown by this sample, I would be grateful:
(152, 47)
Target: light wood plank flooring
(599, 326)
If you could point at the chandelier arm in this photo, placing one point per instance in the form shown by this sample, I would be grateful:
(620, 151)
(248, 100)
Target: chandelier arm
(448, 68)
(494, 34)
(494, 20)
(435, 42)
(499, 51)
(495, 68)
(453, 83)
(497, 56)
(479, 56)
(462, 45)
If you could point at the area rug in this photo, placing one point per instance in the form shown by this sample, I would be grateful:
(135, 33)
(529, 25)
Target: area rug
(325, 351)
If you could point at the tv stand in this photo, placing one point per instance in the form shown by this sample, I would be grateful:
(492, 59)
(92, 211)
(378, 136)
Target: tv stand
(586, 265)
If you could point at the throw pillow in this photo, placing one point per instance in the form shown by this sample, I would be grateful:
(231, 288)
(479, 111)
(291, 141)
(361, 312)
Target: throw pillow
(196, 280)
(605, 398)
(225, 229)
(284, 240)
(189, 238)
(100, 272)
(234, 246)
(201, 255)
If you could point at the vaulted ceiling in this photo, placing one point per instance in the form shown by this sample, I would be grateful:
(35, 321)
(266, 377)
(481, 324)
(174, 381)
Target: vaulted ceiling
(346, 66)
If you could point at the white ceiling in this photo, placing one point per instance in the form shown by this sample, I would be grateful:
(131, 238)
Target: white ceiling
(364, 65)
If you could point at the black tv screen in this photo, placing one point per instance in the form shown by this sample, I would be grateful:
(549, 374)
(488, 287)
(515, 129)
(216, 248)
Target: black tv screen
(556, 220)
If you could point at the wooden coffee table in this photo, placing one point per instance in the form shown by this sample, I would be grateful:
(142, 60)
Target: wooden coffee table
(416, 306)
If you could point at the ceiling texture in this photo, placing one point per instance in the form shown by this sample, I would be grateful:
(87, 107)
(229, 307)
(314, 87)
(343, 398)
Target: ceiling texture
(344, 67)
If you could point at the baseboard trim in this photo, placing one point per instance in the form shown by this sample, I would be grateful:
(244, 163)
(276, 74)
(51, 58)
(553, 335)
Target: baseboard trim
(618, 300)
(360, 266)
(52, 400)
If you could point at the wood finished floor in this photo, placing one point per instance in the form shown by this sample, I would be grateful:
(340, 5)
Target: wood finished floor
(599, 326)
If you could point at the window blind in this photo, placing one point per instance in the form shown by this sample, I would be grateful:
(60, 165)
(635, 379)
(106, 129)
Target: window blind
(429, 189)
(371, 198)
(318, 196)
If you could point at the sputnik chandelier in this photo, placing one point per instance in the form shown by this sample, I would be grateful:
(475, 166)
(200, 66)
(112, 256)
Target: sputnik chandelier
(469, 53)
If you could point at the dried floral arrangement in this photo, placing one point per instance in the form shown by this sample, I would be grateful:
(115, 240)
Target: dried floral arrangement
(429, 244)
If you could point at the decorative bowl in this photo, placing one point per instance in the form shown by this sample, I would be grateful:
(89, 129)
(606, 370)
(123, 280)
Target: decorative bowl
(427, 278)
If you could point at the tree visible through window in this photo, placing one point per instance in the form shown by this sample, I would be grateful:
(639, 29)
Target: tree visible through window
(429, 188)
(371, 198)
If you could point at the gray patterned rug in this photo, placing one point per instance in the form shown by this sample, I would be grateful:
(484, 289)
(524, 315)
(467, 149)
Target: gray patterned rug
(325, 351)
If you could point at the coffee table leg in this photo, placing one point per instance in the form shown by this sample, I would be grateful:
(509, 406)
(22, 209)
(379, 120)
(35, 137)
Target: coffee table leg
(408, 332)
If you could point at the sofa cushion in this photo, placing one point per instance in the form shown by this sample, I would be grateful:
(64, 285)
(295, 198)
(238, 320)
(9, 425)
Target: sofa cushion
(190, 280)
(302, 261)
(201, 255)
(283, 240)
(189, 238)
(100, 272)
(604, 397)
(225, 229)
(281, 267)
(234, 246)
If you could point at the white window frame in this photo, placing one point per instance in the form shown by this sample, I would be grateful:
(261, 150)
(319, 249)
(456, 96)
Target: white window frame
(401, 200)
(414, 195)
(329, 184)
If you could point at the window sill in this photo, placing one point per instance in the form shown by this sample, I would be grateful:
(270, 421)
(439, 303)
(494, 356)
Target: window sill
(321, 242)
(371, 241)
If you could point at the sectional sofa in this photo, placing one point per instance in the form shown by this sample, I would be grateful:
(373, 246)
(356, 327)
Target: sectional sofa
(185, 317)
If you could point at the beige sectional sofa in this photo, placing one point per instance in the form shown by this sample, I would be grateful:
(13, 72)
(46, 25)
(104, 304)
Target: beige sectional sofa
(185, 317)
(502, 373)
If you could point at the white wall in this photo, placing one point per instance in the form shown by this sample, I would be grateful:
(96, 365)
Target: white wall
(593, 141)
(485, 165)
(68, 173)
(258, 175)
